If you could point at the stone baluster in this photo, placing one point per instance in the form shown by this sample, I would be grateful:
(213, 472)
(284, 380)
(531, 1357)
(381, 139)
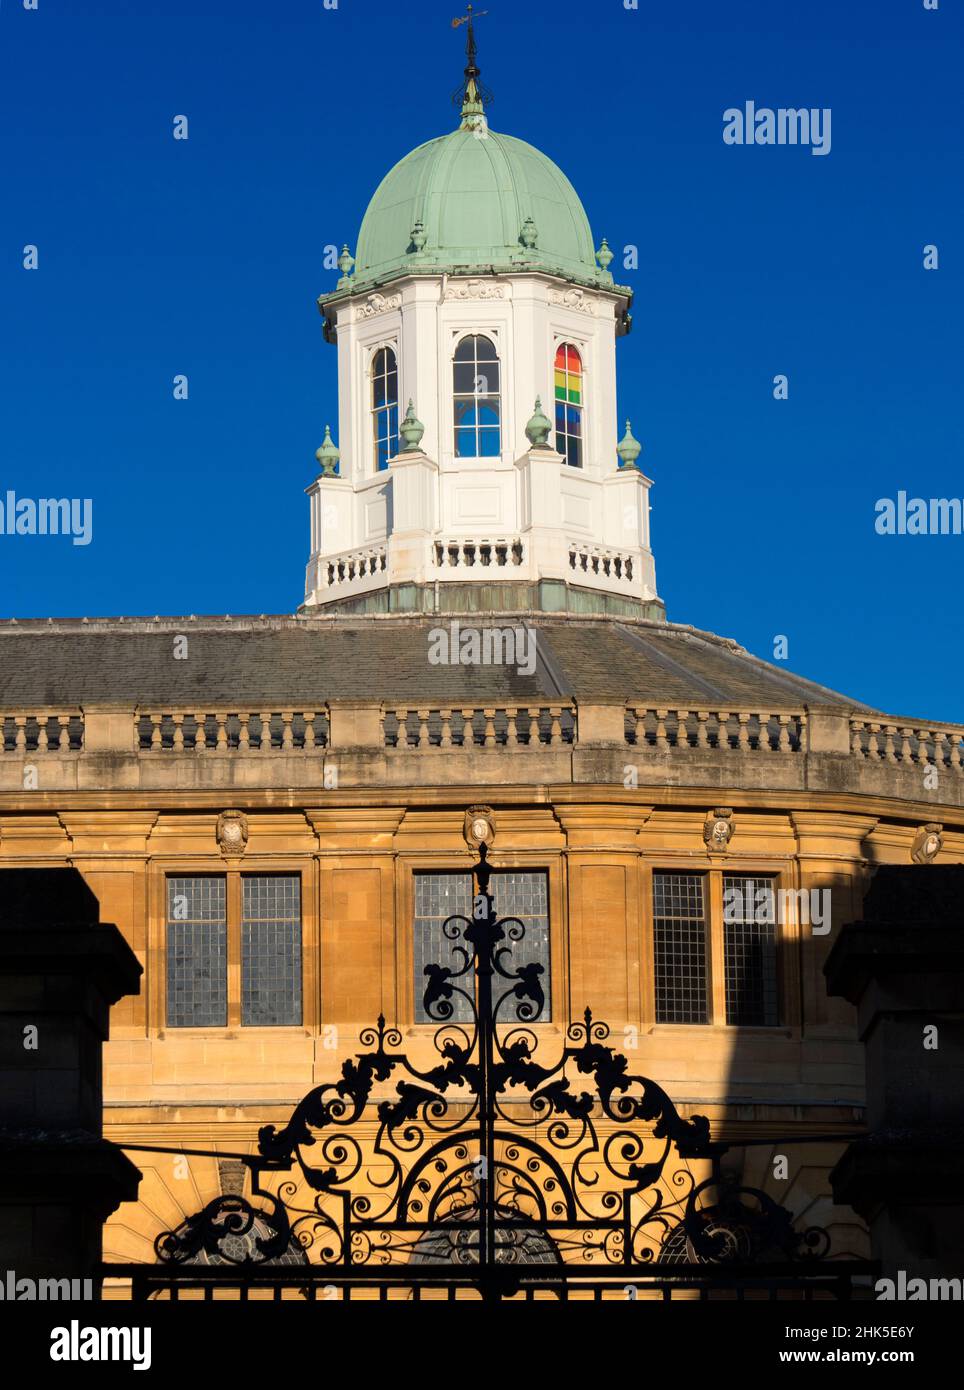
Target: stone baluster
(535, 732)
(309, 717)
(157, 741)
(555, 727)
(244, 733)
(511, 732)
(890, 755)
(702, 728)
(906, 752)
(264, 737)
(63, 743)
(722, 728)
(856, 738)
(287, 738)
(783, 743)
(743, 733)
(873, 746)
(178, 732)
(424, 741)
(20, 737)
(222, 732)
(445, 739)
(200, 732)
(955, 739)
(468, 733)
(42, 743)
(489, 738)
(923, 746)
(661, 740)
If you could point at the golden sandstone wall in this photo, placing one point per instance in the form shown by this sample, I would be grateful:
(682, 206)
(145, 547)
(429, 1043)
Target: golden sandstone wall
(357, 849)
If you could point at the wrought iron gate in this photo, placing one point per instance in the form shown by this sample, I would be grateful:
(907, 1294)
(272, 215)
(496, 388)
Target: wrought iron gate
(489, 1174)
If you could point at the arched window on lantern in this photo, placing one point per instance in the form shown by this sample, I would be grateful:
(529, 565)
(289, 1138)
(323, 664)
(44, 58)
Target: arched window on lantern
(384, 374)
(569, 404)
(478, 413)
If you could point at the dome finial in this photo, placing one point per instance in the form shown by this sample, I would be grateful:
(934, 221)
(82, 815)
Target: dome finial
(470, 93)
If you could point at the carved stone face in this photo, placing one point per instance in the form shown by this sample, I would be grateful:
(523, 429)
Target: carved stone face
(721, 832)
(480, 828)
(931, 845)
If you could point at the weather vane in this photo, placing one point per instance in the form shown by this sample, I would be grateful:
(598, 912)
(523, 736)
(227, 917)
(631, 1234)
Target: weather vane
(470, 92)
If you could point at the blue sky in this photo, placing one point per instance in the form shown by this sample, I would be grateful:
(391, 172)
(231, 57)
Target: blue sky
(204, 257)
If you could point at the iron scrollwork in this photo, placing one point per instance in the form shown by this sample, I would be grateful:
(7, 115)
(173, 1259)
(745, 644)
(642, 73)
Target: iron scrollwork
(489, 1157)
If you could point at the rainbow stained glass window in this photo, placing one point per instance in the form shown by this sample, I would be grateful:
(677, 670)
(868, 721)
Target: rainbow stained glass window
(384, 406)
(569, 404)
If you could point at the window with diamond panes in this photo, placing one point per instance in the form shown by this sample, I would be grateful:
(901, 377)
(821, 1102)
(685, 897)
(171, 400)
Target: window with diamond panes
(478, 410)
(197, 953)
(679, 948)
(270, 950)
(750, 950)
(522, 893)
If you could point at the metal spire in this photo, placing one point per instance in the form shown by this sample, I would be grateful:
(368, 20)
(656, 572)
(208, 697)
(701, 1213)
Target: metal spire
(470, 93)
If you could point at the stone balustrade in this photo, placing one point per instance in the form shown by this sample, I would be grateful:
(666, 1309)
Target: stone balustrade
(600, 562)
(354, 568)
(41, 731)
(508, 726)
(907, 744)
(808, 748)
(468, 553)
(765, 731)
(230, 731)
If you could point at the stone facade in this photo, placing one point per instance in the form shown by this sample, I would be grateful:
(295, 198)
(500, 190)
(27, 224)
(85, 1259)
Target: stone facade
(357, 796)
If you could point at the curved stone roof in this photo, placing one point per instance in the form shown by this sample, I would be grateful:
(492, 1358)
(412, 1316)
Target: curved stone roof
(310, 659)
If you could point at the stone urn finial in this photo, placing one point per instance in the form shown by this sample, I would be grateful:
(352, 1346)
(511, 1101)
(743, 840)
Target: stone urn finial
(537, 430)
(419, 236)
(628, 449)
(604, 256)
(529, 234)
(411, 429)
(346, 262)
(328, 455)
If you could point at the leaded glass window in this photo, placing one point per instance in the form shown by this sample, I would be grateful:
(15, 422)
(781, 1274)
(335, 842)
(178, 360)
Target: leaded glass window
(478, 411)
(569, 404)
(197, 953)
(679, 943)
(522, 893)
(271, 950)
(750, 950)
(384, 406)
(263, 948)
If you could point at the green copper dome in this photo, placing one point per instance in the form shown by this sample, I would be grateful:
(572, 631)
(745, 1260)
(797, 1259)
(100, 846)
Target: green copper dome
(475, 200)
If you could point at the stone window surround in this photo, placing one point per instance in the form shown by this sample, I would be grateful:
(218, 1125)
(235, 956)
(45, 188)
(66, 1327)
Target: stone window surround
(232, 871)
(788, 935)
